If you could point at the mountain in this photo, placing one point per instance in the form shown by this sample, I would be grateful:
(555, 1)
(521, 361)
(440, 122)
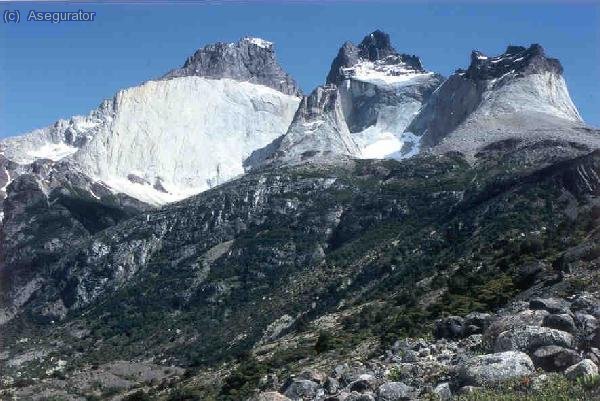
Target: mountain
(249, 60)
(145, 141)
(308, 267)
(155, 143)
(387, 237)
(518, 94)
(371, 95)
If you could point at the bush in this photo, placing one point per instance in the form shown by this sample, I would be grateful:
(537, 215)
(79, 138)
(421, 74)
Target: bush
(326, 342)
(137, 396)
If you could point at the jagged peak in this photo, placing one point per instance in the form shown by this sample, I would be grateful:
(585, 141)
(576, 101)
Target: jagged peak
(375, 51)
(250, 59)
(262, 43)
(246, 41)
(517, 59)
(376, 46)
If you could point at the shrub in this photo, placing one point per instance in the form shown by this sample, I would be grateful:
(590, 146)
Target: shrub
(137, 396)
(326, 342)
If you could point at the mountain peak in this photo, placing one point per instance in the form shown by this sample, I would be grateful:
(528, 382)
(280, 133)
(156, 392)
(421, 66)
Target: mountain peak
(518, 94)
(264, 44)
(376, 46)
(250, 59)
(518, 59)
(375, 52)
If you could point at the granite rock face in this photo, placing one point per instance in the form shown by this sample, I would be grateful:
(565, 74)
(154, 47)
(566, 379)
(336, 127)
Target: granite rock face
(249, 60)
(518, 94)
(228, 100)
(375, 47)
(372, 93)
(319, 130)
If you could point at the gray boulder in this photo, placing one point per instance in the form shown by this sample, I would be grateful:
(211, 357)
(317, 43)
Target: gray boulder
(443, 392)
(583, 368)
(560, 321)
(495, 368)
(477, 322)
(331, 385)
(359, 397)
(553, 358)
(529, 338)
(363, 384)
(452, 327)
(511, 322)
(394, 391)
(301, 389)
(552, 305)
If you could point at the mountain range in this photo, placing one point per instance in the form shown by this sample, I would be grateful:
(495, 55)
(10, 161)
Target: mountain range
(214, 231)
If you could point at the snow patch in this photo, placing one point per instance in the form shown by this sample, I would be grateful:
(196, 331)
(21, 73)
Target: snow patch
(148, 194)
(53, 151)
(259, 42)
(380, 73)
(392, 146)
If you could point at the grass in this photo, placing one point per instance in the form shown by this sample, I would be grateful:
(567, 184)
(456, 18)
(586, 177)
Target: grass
(556, 388)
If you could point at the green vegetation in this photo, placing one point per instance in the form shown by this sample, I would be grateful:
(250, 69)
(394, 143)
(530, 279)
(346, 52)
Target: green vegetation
(556, 388)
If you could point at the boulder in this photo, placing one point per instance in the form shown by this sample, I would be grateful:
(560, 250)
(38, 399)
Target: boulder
(312, 375)
(494, 368)
(510, 322)
(347, 373)
(552, 305)
(269, 396)
(587, 324)
(561, 321)
(553, 358)
(394, 391)
(583, 368)
(585, 303)
(452, 327)
(363, 384)
(443, 392)
(476, 323)
(360, 397)
(529, 338)
(300, 389)
(331, 385)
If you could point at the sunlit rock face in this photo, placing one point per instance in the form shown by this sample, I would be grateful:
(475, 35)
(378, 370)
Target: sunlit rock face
(518, 94)
(371, 94)
(165, 140)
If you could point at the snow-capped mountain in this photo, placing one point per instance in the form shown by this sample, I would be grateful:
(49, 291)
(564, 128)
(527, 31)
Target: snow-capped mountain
(167, 139)
(371, 95)
(518, 94)
(231, 107)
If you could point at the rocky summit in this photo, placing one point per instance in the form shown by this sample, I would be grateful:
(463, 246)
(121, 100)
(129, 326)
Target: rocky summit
(393, 235)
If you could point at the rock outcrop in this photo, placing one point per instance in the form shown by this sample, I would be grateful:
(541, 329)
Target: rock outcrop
(249, 60)
(518, 94)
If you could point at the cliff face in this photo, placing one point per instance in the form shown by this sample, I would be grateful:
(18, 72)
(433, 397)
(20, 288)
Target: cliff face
(249, 60)
(373, 92)
(519, 94)
(168, 139)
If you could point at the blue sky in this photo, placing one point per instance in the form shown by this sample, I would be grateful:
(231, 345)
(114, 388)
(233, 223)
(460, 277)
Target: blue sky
(50, 71)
